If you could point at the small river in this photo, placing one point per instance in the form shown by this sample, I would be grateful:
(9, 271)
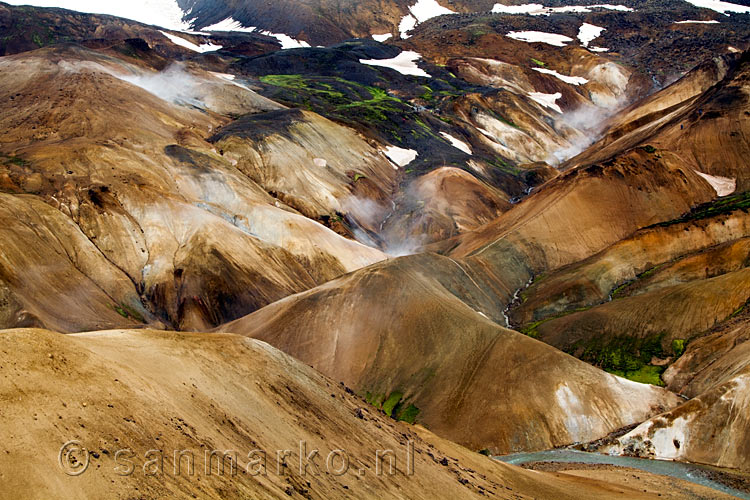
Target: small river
(688, 472)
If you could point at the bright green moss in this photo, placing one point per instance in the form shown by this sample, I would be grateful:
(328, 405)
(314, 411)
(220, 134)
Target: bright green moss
(647, 374)
(678, 347)
(390, 404)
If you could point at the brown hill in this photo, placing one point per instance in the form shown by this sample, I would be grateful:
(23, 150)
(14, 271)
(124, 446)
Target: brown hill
(167, 229)
(663, 286)
(106, 397)
(712, 427)
(400, 328)
(705, 130)
(29, 28)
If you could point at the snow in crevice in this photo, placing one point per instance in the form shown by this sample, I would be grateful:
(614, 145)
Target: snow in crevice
(689, 21)
(229, 24)
(457, 143)
(400, 156)
(407, 24)
(589, 32)
(419, 13)
(536, 9)
(547, 100)
(206, 47)
(405, 63)
(540, 36)
(230, 79)
(528, 8)
(572, 80)
(287, 42)
(382, 38)
(724, 186)
(719, 6)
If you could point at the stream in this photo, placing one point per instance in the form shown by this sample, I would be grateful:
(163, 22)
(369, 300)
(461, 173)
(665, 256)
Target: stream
(693, 473)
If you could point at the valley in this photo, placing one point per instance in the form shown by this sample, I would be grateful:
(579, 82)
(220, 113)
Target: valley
(446, 231)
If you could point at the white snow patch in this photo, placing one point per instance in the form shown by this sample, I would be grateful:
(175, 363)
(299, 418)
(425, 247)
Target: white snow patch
(163, 13)
(617, 7)
(720, 6)
(598, 49)
(231, 79)
(407, 24)
(713, 21)
(547, 100)
(573, 80)
(588, 32)
(286, 41)
(404, 63)
(229, 24)
(206, 47)
(588, 8)
(724, 186)
(540, 36)
(400, 156)
(528, 8)
(382, 38)
(457, 143)
(536, 9)
(427, 9)
(419, 13)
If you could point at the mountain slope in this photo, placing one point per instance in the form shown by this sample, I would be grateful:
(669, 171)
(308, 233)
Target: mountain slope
(519, 163)
(712, 427)
(147, 192)
(447, 359)
(105, 398)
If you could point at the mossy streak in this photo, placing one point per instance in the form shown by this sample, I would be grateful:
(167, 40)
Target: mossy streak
(394, 406)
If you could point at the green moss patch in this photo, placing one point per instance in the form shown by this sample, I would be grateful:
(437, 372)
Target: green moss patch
(617, 292)
(503, 166)
(390, 404)
(628, 357)
(532, 329)
(128, 312)
(678, 346)
(394, 406)
(721, 206)
(647, 374)
(13, 160)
